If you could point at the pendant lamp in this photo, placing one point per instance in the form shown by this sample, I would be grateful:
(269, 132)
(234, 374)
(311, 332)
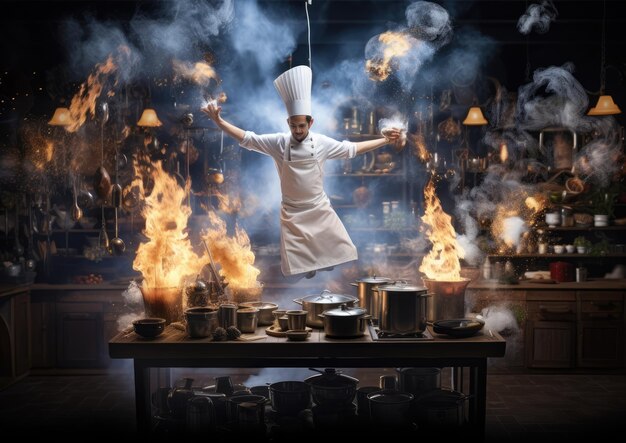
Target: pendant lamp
(475, 117)
(605, 104)
(149, 119)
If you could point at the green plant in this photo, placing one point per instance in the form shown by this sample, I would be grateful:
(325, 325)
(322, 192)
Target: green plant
(582, 241)
(602, 202)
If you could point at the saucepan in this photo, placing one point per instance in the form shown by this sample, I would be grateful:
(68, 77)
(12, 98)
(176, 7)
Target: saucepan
(316, 304)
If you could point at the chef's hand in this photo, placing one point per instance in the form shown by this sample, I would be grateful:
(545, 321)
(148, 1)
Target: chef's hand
(391, 134)
(212, 110)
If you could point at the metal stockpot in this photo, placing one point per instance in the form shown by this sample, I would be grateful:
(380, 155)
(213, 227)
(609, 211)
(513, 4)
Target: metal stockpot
(402, 308)
(368, 298)
(317, 304)
(345, 322)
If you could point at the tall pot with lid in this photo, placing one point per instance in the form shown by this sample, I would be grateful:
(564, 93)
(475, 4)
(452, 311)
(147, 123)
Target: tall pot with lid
(368, 298)
(403, 308)
(316, 304)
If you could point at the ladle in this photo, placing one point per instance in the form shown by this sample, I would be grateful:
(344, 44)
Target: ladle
(103, 238)
(117, 244)
(77, 212)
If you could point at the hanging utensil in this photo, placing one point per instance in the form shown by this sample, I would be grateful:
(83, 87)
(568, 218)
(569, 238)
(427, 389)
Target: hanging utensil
(77, 212)
(117, 244)
(103, 238)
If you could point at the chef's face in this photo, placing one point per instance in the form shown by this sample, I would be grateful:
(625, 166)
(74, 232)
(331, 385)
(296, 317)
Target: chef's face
(299, 126)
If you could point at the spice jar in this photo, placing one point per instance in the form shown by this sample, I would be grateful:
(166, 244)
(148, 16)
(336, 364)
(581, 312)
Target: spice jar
(567, 216)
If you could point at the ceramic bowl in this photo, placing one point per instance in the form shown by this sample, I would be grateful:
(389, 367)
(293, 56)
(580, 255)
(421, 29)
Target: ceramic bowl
(149, 327)
(559, 249)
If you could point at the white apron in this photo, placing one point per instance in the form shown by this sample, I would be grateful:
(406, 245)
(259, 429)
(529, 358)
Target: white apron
(312, 235)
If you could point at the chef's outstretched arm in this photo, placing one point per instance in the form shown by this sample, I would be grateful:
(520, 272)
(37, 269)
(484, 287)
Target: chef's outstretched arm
(391, 136)
(213, 111)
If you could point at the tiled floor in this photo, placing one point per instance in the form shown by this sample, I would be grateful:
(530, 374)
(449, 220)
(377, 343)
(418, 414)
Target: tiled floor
(520, 407)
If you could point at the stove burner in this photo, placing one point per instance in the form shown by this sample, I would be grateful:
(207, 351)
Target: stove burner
(378, 335)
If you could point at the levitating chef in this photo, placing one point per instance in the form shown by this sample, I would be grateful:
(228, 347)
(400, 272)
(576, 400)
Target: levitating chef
(312, 236)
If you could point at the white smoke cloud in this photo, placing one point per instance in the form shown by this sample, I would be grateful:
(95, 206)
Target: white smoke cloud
(499, 318)
(537, 17)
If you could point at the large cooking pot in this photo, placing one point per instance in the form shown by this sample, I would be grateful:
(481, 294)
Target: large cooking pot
(316, 304)
(368, 298)
(332, 388)
(402, 308)
(345, 322)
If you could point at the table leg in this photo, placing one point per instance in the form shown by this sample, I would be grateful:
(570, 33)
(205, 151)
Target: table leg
(142, 398)
(478, 397)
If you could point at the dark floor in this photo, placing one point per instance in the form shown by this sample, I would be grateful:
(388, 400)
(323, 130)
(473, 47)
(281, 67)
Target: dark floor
(520, 406)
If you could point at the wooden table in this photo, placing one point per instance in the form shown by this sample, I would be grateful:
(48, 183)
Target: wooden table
(173, 349)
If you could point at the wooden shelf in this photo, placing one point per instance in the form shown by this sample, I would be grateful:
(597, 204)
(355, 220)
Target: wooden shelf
(565, 255)
(584, 228)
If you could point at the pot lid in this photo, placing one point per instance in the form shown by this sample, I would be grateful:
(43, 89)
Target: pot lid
(331, 378)
(374, 279)
(328, 297)
(258, 304)
(345, 311)
(401, 287)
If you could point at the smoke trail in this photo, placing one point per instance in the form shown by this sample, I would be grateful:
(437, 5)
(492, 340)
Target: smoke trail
(537, 17)
(429, 22)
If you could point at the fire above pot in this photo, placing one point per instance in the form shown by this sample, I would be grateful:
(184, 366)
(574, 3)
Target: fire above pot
(448, 298)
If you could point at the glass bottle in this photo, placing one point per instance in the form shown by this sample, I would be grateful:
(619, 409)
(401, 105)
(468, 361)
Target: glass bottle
(542, 242)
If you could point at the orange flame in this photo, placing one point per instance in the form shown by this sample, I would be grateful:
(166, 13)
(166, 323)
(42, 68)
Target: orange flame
(234, 253)
(443, 260)
(200, 73)
(167, 257)
(84, 101)
(395, 44)
(420, 150)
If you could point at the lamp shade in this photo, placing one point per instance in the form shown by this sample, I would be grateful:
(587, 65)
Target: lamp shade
(475, 117)
(605, 106)
(61, 117)
(149, 119)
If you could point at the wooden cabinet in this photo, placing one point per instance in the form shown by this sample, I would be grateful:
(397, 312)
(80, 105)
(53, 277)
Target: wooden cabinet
(43, 331)
(569, 325)
(551, 329)
(15, 353)
(72, 324)
(80, 335)
(600, 329)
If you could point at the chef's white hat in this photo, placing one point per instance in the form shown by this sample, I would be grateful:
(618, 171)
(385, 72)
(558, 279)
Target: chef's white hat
(294, 87)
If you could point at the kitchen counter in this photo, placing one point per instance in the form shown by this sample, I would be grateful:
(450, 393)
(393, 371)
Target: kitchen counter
(589, 285)
(173, 349)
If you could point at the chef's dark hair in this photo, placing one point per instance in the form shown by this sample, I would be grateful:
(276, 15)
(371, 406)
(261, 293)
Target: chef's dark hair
(308, 118)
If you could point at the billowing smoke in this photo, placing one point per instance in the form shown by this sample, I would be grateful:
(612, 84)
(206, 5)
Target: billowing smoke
(537, 17)
(553, 98)
(499, 318)
(429, 22)
(403, 51)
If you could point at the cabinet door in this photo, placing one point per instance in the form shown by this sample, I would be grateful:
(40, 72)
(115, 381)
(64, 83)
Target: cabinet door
(600, 343)
(600, 329)
(550, 344)
(80, 335)
(43, 333)
(21, 333)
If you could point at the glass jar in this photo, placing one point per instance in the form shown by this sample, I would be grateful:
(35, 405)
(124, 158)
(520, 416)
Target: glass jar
(542, 242)
(567, 217)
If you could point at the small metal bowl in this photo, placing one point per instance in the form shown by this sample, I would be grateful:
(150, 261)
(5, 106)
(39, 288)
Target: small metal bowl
(149, 327)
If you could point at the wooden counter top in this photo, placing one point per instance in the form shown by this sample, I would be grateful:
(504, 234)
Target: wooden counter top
(9, 289)
(589, 285)
(174, 343)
